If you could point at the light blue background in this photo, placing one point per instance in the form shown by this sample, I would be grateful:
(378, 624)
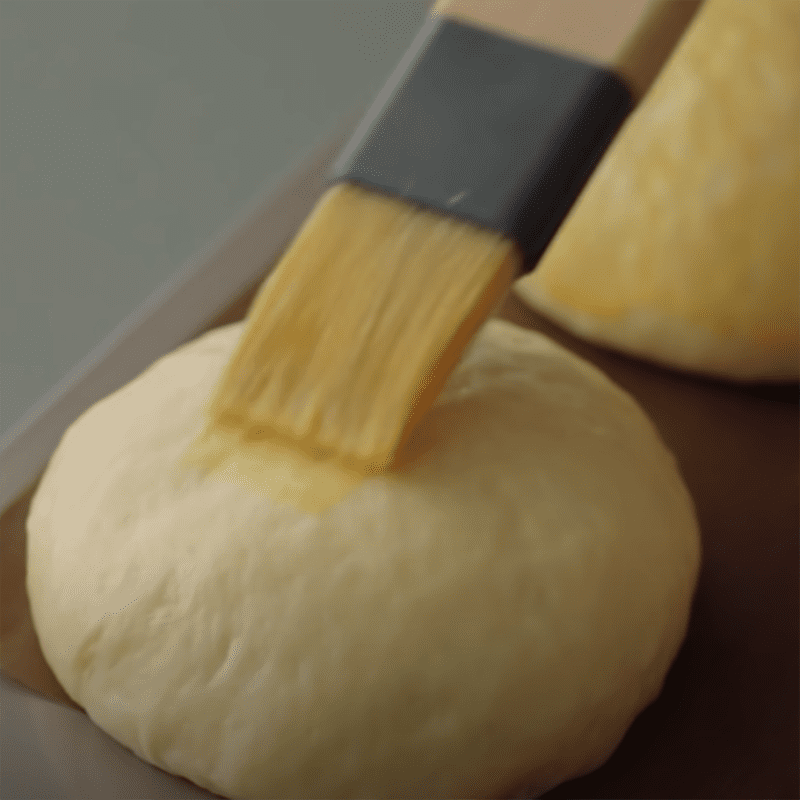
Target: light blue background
(132, 132)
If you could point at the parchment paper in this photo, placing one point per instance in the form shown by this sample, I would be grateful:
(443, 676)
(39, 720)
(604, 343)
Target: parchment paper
(726, 724)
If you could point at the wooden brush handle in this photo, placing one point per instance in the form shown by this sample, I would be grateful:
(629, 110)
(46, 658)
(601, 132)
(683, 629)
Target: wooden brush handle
(632, 37)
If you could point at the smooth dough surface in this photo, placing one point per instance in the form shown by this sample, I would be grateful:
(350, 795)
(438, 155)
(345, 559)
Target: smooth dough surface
(684, 247)
(495, 614)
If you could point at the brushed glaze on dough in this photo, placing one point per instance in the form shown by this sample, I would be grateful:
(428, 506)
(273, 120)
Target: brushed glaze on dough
(497, 610)
(684, 247)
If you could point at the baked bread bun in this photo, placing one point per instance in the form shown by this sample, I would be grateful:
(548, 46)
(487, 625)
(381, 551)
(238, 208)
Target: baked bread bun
(495, 612)
(684, 246)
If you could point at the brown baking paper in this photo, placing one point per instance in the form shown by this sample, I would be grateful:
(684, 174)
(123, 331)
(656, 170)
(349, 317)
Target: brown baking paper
(726, 723)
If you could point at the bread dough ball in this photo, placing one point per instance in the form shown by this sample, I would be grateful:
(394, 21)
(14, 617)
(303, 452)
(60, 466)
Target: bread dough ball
(495, 612)
(685, 246)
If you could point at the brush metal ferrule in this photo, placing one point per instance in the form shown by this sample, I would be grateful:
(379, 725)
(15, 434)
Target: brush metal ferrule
(489, 130)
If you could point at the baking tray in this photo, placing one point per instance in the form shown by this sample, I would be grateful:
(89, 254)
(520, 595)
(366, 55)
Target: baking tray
(726, 723)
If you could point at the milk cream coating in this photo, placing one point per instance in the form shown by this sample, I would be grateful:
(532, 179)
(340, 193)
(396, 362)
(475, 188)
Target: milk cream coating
(493, 614)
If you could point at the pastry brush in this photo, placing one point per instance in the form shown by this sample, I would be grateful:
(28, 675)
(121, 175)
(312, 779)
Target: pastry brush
(450, 188)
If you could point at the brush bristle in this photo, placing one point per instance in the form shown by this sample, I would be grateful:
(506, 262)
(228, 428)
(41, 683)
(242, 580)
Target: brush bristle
(352, 337)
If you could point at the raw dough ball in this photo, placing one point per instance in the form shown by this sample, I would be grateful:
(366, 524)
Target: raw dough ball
(685, 246)
(497, 611)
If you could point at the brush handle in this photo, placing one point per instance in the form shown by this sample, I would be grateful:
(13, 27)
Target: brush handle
(501, 109)
(642, 55)
(634, 38)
